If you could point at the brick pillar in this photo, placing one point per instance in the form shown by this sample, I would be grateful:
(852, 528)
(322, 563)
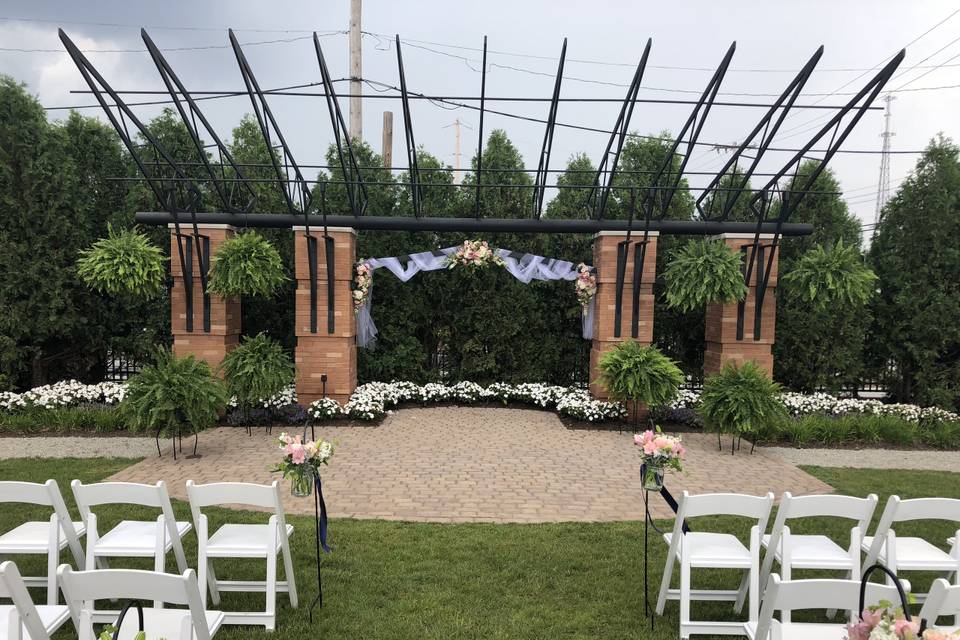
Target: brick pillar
(319, 354)
(224, 334)
(722, 345)
(605, 261)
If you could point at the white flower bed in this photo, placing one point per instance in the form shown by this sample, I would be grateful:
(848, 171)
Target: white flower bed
(282, 399)
(371, 401)
(66, 393)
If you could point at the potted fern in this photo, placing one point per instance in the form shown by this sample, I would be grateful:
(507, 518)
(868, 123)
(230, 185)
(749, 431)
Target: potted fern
(831, 275)
(172, 395)
(639, 374)
(255, 371)
(738, 400)
(125, 262)
(246, 264)
(703, 272)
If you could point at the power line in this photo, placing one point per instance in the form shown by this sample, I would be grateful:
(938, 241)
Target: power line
(172, 49)
(155, 27)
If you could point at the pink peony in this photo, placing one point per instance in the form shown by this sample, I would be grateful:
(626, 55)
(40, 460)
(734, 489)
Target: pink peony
(299, 454)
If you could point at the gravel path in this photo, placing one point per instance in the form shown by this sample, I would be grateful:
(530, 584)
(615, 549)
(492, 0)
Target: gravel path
(868, 458)
(79, 447)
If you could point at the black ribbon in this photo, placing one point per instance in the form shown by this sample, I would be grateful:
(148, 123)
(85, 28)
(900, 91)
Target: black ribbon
(320, 512)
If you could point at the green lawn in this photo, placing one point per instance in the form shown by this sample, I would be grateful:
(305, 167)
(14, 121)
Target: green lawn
(400, 580)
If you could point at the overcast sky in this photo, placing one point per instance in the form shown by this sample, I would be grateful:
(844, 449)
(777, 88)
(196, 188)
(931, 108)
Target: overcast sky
(774, 39)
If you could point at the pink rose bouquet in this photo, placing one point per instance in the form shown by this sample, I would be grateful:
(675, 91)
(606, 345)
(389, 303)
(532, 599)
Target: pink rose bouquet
(362, 285)
(883, 622)
(474, 253)
(585, 285)
(660, 452)
(301, 461)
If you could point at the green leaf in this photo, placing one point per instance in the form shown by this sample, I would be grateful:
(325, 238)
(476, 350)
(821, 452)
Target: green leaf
(703, 272)
(246, 264)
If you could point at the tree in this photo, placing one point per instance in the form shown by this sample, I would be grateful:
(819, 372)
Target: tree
(916, 256)
(800, 361)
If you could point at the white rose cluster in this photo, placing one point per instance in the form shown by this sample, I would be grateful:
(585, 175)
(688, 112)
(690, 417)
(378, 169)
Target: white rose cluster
(371, 401)
(66, 393)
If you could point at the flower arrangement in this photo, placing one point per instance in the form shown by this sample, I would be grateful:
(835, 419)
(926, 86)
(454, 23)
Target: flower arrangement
(883, 622)
(362, 285)
(301, 461)
(474, 253)
(585, 285)
(660, 452)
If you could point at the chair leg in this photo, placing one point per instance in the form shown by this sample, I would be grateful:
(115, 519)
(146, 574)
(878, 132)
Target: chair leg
(684, 597)
(212, 584)
(787, 575)
(271, 589)
(742, 592)
(665, 584)
(288, 573)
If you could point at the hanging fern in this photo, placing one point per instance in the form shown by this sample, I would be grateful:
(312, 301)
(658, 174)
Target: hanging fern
(832, 275)
(125, 262)
(703, 272)
(246, 264)
(639, 373)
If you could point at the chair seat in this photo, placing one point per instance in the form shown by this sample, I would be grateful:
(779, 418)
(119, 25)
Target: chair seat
(164, 623)
(916, 554)
(33, 537)
(717, 550)
(242, 540)
(134, 538)
(813, 552)
(52, 618)
(800, 631)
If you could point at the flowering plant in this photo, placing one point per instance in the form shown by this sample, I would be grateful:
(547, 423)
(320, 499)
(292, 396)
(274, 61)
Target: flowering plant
(302, 460)
(474, 253)
(585, 285)
(659, 452)
(362, 285)
(883, 622)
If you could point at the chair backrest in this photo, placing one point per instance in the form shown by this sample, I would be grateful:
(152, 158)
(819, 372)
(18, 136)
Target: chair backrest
(11, 586)
(82, 588)
(898, 510)
(47, 495)
(793, 595)
(265, 496)
(943, 600)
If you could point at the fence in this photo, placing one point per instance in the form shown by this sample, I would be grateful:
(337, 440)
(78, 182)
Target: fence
(120, 367)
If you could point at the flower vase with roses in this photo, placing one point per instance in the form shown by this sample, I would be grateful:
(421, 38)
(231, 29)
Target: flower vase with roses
(884, 622)
(301, 462)
(660, 452)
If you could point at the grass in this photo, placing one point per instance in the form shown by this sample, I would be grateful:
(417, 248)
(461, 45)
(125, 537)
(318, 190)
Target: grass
(389, 580)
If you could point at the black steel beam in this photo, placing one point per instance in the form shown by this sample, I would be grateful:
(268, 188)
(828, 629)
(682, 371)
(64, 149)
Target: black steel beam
(543, 168)
(413, 169)
(493, 225)
(483, 92)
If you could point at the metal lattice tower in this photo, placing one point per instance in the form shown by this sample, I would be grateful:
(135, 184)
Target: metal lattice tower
(883, 188)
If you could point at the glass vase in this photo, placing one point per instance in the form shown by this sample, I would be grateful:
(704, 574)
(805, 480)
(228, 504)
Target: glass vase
(301, 484)
(652, 477)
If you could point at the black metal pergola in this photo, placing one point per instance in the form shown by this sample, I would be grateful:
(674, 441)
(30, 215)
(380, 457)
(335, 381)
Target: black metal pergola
(180, 196)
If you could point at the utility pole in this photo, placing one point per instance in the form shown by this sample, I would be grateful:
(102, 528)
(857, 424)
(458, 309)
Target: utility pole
(457, 174)
(386, 147)
(883, 188)
(356, 72)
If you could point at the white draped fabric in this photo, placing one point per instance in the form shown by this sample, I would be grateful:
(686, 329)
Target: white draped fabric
(525, 267)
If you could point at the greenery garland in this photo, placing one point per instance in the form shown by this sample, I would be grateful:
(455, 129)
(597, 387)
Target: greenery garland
(825, 276)
(125, 262)
(639, 373)
(703, 272)
(246, 264)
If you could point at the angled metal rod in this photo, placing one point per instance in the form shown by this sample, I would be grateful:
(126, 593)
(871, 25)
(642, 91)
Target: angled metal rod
(189, 115)
(618, 135)
(356, 189)
(766, 131)
(483, 92)
(543, 168)
(790, 199)
(413, 169)
(693, 126)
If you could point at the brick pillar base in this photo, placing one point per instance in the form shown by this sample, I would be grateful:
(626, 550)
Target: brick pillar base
(320, 354)
(224, 332)
(604, 333)
(722, 345)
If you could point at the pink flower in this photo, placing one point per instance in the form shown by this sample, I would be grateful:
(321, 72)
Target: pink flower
(299, 454)
(903, 626)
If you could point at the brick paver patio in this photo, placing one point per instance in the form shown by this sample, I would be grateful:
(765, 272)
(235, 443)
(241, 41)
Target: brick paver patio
(466, 464)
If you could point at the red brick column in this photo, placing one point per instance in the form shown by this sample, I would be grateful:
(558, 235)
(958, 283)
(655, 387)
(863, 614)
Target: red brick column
(605, 261)
(224, 332)
(319, 354)
(722, 345)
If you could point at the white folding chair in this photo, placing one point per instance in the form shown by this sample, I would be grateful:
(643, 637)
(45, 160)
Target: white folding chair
(22, 620)
(806, 551)
(911, 553)
(82, 588)
(794, 595)
(943, 600)
(42, 538)
(700, 550)
(131, 538)
(244, 541)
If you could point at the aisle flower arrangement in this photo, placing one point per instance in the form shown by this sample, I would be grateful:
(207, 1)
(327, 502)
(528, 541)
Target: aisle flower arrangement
(660, 452)
(474, 253)
(301, 461)
(883, 622)
(362, 285)
(585, 285)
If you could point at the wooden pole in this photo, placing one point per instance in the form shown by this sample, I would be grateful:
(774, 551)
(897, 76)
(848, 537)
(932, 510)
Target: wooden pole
(457, 176)
(356, 73)
(387, 143)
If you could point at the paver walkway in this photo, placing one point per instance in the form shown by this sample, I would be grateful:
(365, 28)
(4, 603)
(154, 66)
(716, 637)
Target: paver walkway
(463, 464)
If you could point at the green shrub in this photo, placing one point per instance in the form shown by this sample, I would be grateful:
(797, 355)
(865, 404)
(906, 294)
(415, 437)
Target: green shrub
(828, 276)
(172, 393)
(634, 372)
(246, 264)
(256, 370)
(63, 419)
(740, 400)
(897, 431)
(125, 262)
(941, 435)
(703, 272)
